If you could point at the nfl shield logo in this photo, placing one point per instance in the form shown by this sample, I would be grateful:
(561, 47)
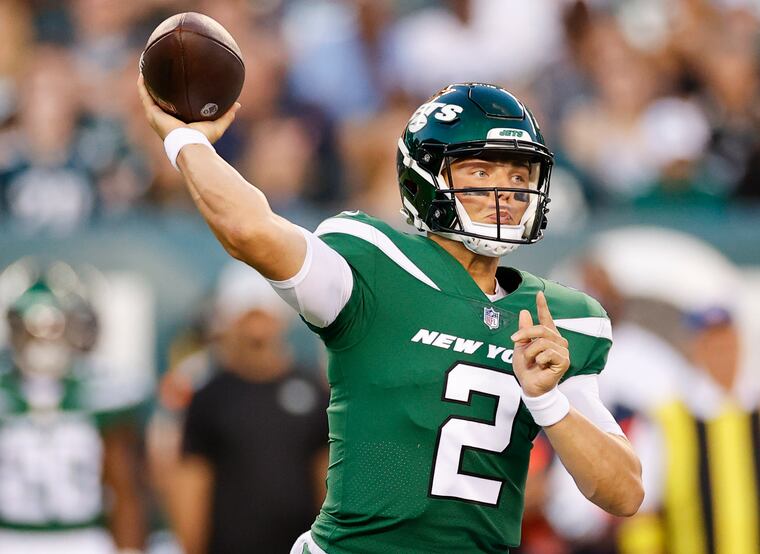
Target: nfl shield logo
(491, 318)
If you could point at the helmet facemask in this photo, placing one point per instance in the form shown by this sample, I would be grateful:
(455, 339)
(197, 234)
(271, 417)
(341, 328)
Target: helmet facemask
(514, 211)
(38, 339)
(519, 212)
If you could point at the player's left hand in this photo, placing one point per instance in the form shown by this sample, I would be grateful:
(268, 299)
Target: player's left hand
(541, 356)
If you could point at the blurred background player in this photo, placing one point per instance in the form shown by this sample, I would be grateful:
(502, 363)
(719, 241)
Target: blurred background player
(68, 458)
(251, 472)
(702, 451)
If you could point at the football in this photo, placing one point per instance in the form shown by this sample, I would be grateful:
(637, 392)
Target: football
(192, 67)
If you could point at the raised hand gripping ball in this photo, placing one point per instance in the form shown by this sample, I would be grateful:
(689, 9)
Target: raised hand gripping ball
(192, 67)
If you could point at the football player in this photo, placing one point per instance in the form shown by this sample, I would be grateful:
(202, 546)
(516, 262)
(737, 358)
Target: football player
(443, 366)
(65, 437)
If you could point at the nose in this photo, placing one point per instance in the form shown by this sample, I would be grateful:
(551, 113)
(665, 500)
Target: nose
(505, 196)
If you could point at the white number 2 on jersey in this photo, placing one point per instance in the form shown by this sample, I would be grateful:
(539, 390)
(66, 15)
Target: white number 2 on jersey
(457, 433)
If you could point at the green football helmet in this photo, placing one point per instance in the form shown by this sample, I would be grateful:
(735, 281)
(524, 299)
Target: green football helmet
(479, 121)
(50, 320)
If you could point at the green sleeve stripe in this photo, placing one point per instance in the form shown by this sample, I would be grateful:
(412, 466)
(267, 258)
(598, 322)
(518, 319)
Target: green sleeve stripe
(598, 327)
(374, 236)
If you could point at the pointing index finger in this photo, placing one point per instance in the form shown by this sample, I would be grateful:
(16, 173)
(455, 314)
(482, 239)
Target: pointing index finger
(544, 315)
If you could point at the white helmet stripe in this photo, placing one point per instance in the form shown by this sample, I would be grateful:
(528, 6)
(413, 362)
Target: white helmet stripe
(411, 163)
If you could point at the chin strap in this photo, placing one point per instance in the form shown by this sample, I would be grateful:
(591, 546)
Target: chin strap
(482, 247)
(488, 248)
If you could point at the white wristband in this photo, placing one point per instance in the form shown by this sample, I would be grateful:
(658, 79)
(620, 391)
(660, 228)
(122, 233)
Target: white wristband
(181, 137)
(548, 408)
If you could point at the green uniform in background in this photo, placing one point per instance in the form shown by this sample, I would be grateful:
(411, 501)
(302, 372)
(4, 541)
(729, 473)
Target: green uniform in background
(429, 441)
(51, 457)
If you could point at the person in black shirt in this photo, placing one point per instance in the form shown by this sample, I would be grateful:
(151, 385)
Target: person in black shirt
(254, 449)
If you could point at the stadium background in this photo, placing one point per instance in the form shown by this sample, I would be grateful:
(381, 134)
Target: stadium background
(652, 109)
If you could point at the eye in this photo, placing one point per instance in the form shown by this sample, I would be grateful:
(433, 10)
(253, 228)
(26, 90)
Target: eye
(480, 173)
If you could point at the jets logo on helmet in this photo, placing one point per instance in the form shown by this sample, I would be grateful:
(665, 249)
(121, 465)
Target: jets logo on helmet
(473, 121)
(444, 112)
(507, 133)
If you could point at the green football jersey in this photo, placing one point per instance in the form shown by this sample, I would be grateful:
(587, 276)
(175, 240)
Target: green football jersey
(51, 457)
(429, 440)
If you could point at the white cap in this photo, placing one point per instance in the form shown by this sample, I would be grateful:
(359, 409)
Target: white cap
(669, 265)
(241, 289)
(676, 129)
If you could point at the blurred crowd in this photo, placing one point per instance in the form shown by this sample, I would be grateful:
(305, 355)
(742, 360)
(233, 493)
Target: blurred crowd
(648, 105)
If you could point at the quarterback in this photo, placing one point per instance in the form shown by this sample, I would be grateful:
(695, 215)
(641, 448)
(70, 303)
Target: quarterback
(443, 366)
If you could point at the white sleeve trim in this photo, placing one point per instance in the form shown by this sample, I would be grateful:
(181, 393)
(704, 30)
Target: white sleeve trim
(599, 327)
(323, 285)
(583, 393)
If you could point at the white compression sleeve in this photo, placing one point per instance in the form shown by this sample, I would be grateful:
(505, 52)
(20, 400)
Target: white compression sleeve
(322, 286)
(583, 393)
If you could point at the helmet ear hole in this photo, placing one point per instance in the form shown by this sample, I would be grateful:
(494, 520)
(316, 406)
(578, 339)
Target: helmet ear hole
(411, 187)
